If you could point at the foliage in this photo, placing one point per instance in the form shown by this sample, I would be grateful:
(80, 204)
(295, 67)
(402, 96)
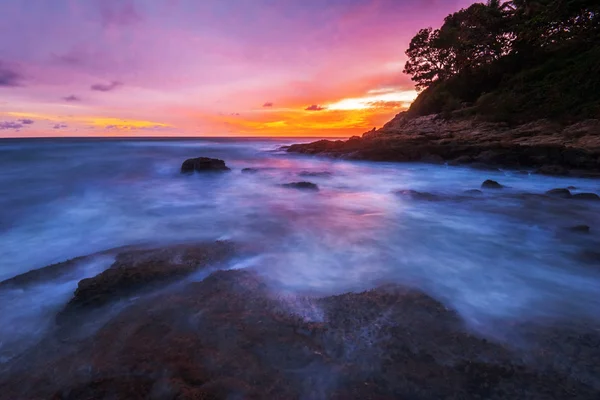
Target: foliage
(511, 60)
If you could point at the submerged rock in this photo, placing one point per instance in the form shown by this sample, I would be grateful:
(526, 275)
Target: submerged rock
(415, 195)
(250, 170)
(136, 269)
(580, 228)
(203, 164)
(301, 185)
(474, 192)
(490, 184)
(560, 192)
(586, 196)
(228, 336)
(319, 174)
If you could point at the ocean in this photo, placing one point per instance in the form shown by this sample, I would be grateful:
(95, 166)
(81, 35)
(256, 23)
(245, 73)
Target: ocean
(498, 258)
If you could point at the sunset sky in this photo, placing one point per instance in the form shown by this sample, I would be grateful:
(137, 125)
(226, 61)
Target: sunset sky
(206, 67)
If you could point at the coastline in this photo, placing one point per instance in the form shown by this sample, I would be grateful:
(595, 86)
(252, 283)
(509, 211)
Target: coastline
(541, 146)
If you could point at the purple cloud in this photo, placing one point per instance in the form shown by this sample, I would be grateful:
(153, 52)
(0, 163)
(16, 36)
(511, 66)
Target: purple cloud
(9, 77)
(59, 126)
(314, 107)
(118, 13)
(268, 104)
(5, 125)
(26, 121)
(71, 98)
(100, 87)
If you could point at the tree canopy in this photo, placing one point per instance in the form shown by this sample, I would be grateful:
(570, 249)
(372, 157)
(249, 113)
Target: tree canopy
(482, 34)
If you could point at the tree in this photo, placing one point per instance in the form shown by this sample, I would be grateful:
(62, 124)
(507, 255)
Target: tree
(428, 59)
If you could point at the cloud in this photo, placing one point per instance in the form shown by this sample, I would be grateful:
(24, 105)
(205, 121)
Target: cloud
(5, 125)
(315, 107)
(71, 98)
(100, 87)
(268, 104)
(60, 126)
(26, 121)
(9, 77)
(388, 104)
(118, 13)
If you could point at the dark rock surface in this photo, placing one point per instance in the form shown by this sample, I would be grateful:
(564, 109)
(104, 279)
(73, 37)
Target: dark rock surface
(230, 336)
(540, 145)
(301, 185)
(137, 269)
(490, 184)
(586, 196)
(250, 170)
(474, 192)
(562, 193)
(580, 228)
(317, 174)
(203, 164)
(415, 195)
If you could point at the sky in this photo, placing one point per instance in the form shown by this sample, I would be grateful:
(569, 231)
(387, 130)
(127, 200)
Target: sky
(207, 67)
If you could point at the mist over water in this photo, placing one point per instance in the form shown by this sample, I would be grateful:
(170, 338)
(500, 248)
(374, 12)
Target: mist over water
(498, 258)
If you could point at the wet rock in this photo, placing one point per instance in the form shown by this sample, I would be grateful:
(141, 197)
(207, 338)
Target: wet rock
(316, 174)
(203, 164)
(560, 192)
(586, 196)
(473, 192)
(433, 159)
(228, 336)
(490, 184)
(250, 170)
(484, 167)
(301, 185)
(580, 228)
(571, 188)
(138, 269)
(552, 170)
(413, 194)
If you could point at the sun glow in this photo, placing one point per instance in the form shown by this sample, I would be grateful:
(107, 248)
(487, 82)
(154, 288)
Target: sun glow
(379, 100)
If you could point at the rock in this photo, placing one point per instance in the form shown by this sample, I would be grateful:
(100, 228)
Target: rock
(586, 196)
(580, 228)
(483, 167)
(571, 188)
(203, 164)
(490, 184)
(432, 159)
(230, 336)
(321, 174)
(562, 193)
(474, 192)
(552, 170)
(301, 185)
(413, 194)
(138, 269)
(250, 170)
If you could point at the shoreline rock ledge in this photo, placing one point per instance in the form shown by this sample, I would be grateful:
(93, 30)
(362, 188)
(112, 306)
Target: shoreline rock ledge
(544, 146)
(204, 164)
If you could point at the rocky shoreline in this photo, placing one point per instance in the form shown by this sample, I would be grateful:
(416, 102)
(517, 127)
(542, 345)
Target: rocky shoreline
(231, 335)
(542, 146)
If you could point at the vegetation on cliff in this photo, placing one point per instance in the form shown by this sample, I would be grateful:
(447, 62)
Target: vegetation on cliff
(511, 61)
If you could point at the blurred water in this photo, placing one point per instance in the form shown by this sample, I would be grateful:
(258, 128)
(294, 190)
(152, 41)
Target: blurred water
(496, 258)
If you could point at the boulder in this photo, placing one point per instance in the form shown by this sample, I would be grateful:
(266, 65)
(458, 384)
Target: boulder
(586, 196)
(301, 185)
(140, 268)
(490, 184)
(250, 170)
(560, 192)
(318, 174)
(580, 228)
(203, 164)
(415, 195)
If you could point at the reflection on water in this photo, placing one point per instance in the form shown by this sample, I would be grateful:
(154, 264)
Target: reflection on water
(495, 257)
